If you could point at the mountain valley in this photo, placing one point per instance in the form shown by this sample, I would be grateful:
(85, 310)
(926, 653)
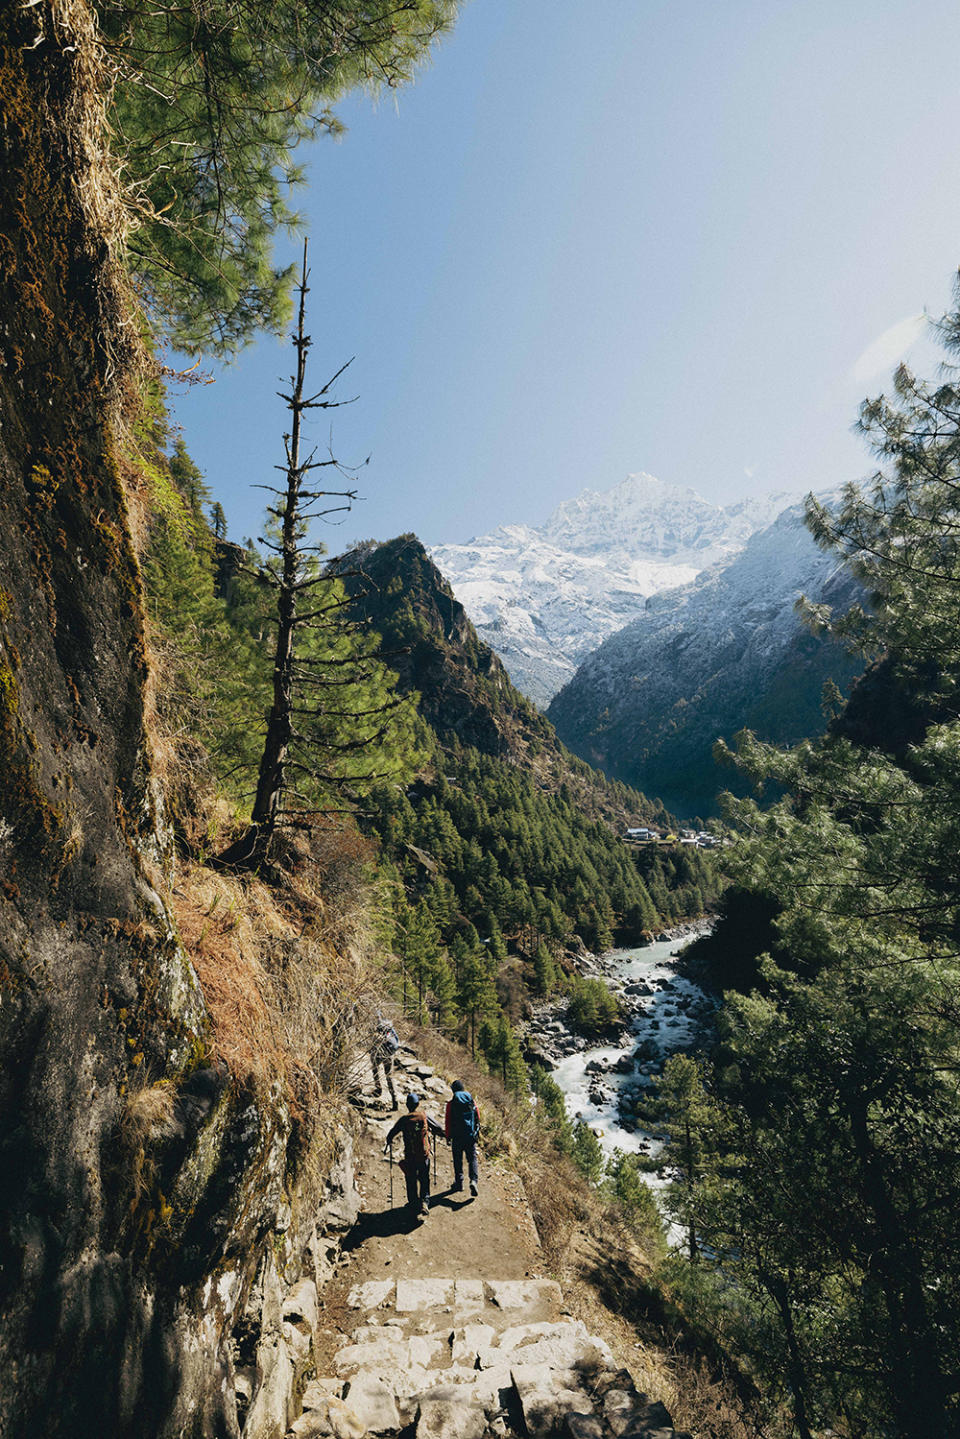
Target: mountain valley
(724, 653)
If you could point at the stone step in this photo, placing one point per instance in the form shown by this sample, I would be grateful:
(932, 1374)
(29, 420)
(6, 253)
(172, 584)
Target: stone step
(468, 1358)
(475, 1380)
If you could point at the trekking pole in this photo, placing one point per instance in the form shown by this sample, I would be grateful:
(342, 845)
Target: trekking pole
(434, 1137)
(391, 1176)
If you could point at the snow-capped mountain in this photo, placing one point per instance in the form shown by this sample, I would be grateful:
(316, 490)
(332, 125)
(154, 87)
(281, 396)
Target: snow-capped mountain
(724, 653)
(545, 597)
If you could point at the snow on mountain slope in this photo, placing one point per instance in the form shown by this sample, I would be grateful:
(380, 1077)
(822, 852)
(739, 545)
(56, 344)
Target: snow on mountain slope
(724, 653)
(545, 597)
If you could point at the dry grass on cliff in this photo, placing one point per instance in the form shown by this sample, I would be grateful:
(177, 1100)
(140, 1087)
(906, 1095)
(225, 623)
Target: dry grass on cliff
(148, 1115)
(71, 25)
(222, 922)
(68, 28)
(281, 996)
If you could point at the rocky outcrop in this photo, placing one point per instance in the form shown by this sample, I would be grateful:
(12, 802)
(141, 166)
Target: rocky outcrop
(274, 1345)
(463, 688)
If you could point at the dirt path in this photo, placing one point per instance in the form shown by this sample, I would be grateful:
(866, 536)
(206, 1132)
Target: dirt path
(490, 1237)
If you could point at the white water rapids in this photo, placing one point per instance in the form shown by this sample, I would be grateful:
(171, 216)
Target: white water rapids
(668, 1017)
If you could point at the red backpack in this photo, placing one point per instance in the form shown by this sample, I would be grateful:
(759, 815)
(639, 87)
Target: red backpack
(416, 1138)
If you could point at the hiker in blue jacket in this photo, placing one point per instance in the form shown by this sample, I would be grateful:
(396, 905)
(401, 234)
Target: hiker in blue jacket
(462, 1126)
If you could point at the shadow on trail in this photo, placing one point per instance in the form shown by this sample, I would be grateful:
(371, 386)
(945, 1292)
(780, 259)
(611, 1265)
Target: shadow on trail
(445, 1197)
(380, 1224)
(384, 1223)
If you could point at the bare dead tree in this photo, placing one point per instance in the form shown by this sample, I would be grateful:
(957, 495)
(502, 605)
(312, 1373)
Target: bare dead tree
(295, 581)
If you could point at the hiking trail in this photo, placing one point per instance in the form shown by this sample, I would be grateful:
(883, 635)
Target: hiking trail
(449, 1329)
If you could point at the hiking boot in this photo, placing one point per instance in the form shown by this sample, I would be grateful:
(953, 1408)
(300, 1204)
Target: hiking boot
(456, 1187)
(396, 1103)
(473, 1188)
(424, 1212)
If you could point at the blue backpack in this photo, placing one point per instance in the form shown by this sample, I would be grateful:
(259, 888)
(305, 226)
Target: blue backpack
(463, 1115)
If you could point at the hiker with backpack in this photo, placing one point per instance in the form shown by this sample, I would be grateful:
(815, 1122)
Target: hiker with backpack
(462, 1127)
(415, 1128)
(385, 1044)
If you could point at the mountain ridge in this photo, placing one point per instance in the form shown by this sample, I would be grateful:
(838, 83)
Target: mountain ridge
(723, 653)
(544, 597)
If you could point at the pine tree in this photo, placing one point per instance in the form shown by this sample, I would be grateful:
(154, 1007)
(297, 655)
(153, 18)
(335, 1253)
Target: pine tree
(443, 988)
(418, 944)
(553, 1107)
(189, 480)
(218, 521)
(544, 969)
(209, 104)
(332, 710)
(686, 1120)
(501, 1049)
(588, 1153)
(636, 1200)
(476, 996)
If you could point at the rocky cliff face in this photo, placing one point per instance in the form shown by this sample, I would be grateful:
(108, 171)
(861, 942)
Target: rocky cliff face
(464, 690)
(725, 653)
(545, 597)
(141, 1187)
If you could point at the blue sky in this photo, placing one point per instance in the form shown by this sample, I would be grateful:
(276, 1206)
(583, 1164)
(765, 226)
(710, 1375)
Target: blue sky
(678, 237)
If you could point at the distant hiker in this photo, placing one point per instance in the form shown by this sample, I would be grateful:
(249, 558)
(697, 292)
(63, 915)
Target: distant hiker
(462, 1126)
(385, 1044)
(416, 1128)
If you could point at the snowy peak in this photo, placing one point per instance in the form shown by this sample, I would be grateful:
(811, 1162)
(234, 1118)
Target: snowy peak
(544, 597)
(724, 653)
(640, 515)
(643, 517)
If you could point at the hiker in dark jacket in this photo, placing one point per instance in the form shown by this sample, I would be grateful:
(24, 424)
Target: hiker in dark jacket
(416, 1128)
(383, 1047)
(462, 1126)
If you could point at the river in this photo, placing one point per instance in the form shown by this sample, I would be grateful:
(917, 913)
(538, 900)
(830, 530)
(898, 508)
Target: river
(668, 1013)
